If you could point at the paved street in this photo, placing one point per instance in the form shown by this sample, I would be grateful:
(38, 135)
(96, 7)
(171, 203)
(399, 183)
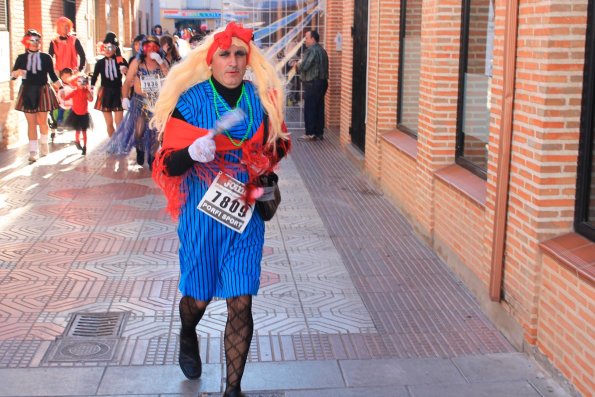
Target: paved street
(352, 303)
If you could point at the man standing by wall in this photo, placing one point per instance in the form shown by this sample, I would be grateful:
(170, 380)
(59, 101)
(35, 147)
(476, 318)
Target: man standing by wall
(313, 70)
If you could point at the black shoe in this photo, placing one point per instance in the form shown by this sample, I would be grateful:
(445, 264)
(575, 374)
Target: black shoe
(320, 137)
(140, 157)
(189, 358)
(151, 159)
(78, 145)
(84, 150)
(234, 393)
(52, 136)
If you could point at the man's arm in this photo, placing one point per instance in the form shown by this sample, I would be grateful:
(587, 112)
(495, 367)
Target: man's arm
(81, 52)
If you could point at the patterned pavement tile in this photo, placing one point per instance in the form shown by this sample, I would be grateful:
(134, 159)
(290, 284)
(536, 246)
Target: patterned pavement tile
(339, 281)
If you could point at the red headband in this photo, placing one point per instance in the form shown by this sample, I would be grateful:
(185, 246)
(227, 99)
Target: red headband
(223, 39)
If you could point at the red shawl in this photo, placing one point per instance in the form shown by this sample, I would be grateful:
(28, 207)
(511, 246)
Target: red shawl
(257, 159)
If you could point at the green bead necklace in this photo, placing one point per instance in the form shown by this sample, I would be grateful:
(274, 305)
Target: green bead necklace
(216, 97)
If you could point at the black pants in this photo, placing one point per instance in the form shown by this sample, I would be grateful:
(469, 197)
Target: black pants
(314, 92)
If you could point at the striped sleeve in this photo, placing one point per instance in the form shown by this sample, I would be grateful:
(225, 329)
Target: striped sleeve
(189, 105)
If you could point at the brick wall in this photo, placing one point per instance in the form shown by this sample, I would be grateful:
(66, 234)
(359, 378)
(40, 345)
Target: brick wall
(346, 70)
(548, 304)
(334, 25)
(565, 328)
(545, 143)
(437, 102)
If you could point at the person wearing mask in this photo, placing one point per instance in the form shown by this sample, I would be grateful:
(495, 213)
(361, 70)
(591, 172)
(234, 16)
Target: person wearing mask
(36, 97)
(111, 68)
(313, 69)
(145, 74)
(219, 259)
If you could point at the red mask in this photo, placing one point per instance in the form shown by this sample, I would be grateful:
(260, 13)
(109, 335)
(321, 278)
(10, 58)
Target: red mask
(150, 47)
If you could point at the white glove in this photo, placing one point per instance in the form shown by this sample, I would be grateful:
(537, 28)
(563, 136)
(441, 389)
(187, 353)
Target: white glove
(156, 57)
(125, 103)
(203, 149)
(123, 70)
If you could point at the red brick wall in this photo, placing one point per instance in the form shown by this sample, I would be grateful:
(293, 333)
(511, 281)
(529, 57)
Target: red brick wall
(545, 143)
(549, 303)
(346, 70)
(565, 327)
(334, 25)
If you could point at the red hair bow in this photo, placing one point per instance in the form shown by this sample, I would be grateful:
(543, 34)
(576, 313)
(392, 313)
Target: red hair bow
(223, 39)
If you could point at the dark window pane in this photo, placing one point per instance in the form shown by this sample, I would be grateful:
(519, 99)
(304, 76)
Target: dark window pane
(475, 123)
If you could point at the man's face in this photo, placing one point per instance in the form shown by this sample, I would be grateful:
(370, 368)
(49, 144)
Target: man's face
(309, 40)
(229, 65)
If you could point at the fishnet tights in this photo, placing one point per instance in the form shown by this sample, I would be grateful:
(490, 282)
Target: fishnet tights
(238, 336)
(191, 311)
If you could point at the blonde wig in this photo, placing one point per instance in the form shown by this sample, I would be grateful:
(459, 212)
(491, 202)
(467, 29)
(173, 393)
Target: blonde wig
(194, 69)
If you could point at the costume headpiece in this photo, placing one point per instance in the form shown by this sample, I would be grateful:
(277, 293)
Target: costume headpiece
(111, 38)
(223, 39)
(30, 33)
(64, 21)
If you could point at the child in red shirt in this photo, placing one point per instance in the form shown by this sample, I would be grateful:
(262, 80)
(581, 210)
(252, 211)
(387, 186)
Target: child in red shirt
(79, 118)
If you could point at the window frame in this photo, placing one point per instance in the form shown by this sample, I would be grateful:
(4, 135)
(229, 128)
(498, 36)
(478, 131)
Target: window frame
(460, 134)
(402, 32)
(585, 154)
(5, 26)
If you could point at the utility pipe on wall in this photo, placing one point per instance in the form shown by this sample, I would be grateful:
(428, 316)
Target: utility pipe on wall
(504, 150)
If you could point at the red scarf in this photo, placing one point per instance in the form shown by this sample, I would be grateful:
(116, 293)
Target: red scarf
(178, 134)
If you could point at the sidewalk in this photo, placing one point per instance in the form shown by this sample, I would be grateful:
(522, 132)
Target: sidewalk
(351, 302)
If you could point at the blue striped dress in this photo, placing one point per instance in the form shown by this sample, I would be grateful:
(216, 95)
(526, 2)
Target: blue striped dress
(216, 261)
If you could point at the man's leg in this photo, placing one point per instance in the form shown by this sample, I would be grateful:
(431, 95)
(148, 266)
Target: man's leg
(309, 108)
(322, 86)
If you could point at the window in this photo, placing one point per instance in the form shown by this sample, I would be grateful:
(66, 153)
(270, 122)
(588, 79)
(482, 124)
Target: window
(584, 220)
(409, 66)
(4, 15)
(475, 78)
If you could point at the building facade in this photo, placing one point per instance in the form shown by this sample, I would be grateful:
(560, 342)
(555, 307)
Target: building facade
(91, 19)
(478, 124)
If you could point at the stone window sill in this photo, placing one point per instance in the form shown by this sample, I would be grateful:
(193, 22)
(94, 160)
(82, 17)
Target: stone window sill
(464, 181)
(402, 142)
(575, 252)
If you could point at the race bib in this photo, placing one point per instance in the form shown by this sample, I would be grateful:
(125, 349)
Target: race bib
(224, 202)
(151, 85)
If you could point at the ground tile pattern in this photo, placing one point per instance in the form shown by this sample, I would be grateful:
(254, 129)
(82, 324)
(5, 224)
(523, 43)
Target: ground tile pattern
(343, 275)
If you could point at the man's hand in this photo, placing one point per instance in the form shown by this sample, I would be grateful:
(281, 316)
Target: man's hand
(123, 70)
(203, 149)
(125, 103)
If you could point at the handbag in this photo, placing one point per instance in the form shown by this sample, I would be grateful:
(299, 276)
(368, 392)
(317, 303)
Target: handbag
(267, 204)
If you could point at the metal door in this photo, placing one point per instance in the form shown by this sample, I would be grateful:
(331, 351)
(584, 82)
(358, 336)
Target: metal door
(359, 31)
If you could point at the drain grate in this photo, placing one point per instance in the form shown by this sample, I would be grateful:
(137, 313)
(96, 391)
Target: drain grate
(88, 337)
(96, 324)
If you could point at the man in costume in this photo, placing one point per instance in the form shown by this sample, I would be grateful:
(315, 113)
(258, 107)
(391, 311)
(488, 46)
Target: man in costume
(66, 47)
(219, 257)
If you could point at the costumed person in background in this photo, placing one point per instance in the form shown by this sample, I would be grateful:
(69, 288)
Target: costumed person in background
(145, 74)
(215, 259)
(136, 46)
(36, 97)
(157, 31)
(109, 97)
(169, 49)
(65, 48)
(79, 119)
